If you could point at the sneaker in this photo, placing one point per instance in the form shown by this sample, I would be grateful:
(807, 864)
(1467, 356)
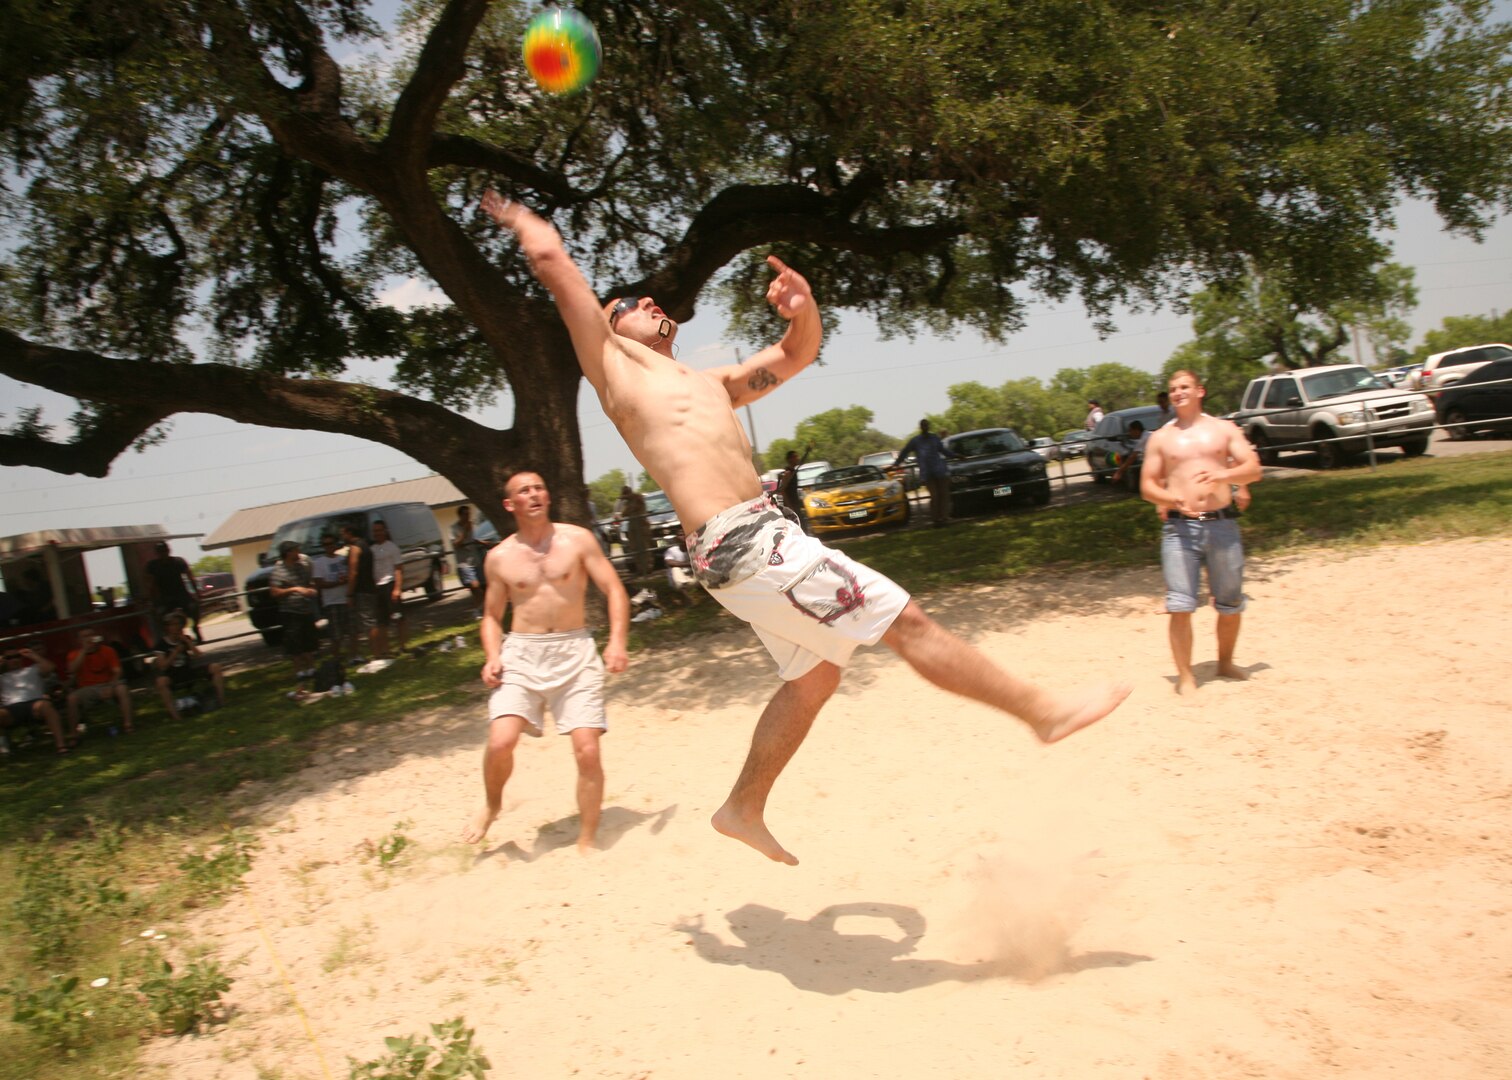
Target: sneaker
(348, 688)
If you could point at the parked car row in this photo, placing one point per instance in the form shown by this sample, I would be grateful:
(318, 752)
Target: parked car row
(1477, 404)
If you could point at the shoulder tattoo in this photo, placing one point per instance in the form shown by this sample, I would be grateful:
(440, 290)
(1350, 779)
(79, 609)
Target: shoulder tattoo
(761, 378)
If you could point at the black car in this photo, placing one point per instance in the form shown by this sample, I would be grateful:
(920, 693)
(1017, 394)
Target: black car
(992, 467)
(1481, 401)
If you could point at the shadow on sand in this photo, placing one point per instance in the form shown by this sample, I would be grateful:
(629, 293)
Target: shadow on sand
(815, 956)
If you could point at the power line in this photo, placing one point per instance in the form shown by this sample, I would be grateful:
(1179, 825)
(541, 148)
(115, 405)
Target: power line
(194, 495)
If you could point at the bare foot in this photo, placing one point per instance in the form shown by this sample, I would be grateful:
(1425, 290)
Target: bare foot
(477, 828)
(1233, 671)
(1186, 686)
(752, 832)
(587, 845)
(1070, 715)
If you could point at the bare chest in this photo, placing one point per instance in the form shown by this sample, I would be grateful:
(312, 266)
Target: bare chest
(527, 571)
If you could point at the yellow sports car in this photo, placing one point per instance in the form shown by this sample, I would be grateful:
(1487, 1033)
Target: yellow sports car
(855, 497)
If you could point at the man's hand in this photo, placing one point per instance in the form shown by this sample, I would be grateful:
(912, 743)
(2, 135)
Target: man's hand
(504, 212)
(615, 658)
(789, 292)
(492, 673)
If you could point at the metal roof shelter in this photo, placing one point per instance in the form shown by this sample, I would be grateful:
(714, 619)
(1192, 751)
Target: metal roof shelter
(261, 522)
(12, 547)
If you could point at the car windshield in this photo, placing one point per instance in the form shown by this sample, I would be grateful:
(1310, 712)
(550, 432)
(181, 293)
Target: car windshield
(982, 443)
(306, 533)
(658, 503)
(1340, 381)
(854, 474)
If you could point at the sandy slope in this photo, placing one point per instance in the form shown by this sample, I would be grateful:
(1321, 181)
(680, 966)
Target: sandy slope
(1304, 875)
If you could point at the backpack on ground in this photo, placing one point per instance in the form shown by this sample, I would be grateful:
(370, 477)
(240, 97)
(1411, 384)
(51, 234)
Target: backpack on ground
(329, 674)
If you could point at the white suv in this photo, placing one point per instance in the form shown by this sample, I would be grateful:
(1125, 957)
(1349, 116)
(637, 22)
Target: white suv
(1441, 369)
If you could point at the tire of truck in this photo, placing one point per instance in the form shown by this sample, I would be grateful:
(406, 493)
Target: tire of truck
(1331, 455)
(1263, 448)
(1415, 447)
(433, 587)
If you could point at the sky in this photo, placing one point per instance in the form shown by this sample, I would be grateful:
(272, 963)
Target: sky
(209, 467)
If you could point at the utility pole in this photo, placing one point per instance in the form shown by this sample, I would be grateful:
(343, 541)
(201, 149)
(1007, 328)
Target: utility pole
(751, 426)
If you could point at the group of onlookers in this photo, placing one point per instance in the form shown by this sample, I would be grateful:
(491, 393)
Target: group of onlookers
(34, 690)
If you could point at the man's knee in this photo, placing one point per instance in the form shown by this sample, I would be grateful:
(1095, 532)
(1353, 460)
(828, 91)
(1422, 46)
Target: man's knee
(818, 682)
(586, 752)
(504, 734)
(910, 625)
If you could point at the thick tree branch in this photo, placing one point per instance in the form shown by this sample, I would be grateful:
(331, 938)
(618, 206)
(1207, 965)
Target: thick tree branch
(441, 64)
(111, 434)
(147, 392)
(749, 215)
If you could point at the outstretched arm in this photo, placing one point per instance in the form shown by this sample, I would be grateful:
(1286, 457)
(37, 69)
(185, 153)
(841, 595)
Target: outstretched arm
(789, 293)
(542, 244)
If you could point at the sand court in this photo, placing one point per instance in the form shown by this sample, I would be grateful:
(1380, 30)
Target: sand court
(1302, 874)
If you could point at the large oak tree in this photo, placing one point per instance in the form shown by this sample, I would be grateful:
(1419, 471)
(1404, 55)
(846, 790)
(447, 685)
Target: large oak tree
(207, 196)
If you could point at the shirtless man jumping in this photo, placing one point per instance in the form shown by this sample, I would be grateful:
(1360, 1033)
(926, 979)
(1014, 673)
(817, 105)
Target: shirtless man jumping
(548, 659)
(1189, 466)
(810, 606)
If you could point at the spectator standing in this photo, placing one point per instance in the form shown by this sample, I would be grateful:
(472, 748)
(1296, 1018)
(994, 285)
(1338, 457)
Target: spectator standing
(1167, 414)
(934, 472)
(361, 593)
(631, 509)
(292, 584)
(1094, 414)
(23, 694)
(469, 555)
(95, 671)
(180, 665)
(388, 588)
(34, 598)
(171, 586)
(329, 569)
(787, 486)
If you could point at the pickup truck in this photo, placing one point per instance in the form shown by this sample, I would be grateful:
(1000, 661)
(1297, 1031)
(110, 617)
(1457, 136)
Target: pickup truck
(1294, 410)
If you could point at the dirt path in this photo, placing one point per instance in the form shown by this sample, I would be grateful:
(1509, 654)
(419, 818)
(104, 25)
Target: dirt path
(1304, 874)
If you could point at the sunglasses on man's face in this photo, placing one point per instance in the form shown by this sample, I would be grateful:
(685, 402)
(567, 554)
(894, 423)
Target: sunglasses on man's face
(629, 303)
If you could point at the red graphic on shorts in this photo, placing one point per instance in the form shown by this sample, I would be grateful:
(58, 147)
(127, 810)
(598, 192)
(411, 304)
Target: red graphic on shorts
(827, 592)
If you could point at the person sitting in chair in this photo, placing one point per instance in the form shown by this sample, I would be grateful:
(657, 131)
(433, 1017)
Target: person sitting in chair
(96, 672)
(181, 666)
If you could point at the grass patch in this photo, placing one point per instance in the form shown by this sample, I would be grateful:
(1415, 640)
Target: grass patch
(135, 832)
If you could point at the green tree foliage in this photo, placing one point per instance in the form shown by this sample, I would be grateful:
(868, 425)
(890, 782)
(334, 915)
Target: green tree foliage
(177, 166)
(605, 490)
(1265, 320)
(839, 436)
(1458, 331)
(213, 564)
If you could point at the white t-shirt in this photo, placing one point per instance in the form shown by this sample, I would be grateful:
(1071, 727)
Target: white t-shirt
(23, 684)
(386, 557)
(331, 568)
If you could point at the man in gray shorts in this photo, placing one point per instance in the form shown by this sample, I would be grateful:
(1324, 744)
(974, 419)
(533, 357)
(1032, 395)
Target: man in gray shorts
(548, 660)
(1191, 467)
(811, 606)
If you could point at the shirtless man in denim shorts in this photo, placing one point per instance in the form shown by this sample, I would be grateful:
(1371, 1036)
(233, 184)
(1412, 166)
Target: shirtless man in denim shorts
(548, 659)
(1190, 467)
(812, 607)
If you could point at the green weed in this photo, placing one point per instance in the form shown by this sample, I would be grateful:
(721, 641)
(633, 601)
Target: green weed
(185, 1002)
(212, 875)
(414, 1058)
(388, 850)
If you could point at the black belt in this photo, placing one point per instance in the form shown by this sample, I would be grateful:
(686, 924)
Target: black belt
(1206, 515)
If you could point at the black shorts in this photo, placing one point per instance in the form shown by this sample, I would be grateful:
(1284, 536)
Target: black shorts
(22, 711)
(385, 606)
(299, 635)
(190, 674)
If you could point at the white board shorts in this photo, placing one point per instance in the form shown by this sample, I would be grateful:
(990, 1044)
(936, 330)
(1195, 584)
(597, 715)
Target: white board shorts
(806, 602)
(561, 672)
